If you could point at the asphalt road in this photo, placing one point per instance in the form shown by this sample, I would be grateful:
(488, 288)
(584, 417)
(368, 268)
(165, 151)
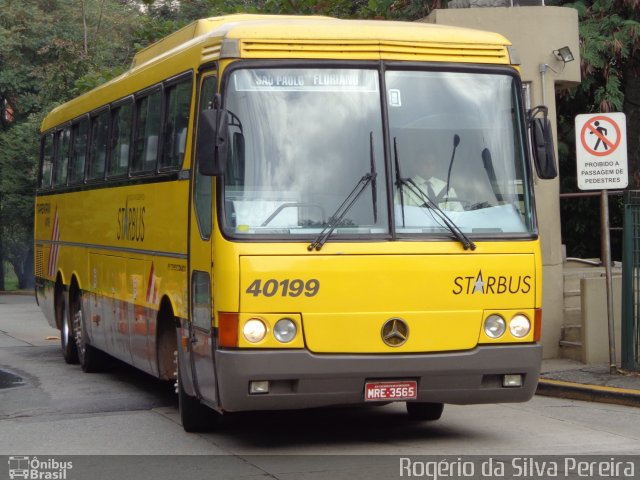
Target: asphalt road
(58, 410)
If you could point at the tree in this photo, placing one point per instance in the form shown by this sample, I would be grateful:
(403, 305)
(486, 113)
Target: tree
(610, 61)
(378, 9)
(50, 51)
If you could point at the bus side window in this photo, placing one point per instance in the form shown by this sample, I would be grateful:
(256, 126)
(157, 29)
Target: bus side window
(176, 123)
(61, 160)
(79, 136)
(47, 161)
(120, 140)
(98, 150)
(147, 132)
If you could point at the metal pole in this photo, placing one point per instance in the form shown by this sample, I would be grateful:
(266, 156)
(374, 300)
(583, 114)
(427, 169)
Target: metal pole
(606, 258)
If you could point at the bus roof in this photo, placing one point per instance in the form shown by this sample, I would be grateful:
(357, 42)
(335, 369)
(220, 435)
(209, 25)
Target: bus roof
(292, 29)
(302, 37)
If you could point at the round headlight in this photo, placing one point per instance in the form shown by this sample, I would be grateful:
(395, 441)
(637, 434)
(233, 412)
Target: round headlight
(519, 326)
(494, 326)
(285, 330)
(254, 330)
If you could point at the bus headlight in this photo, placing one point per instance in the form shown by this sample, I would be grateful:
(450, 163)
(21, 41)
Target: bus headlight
(285, 330)
(254, 330)
(494, 326)
(519, 326)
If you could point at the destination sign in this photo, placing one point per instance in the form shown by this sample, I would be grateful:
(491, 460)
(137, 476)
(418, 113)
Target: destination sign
(324, 80)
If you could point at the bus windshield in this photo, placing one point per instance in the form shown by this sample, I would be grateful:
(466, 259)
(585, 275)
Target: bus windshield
(302, 140)
(457, 140)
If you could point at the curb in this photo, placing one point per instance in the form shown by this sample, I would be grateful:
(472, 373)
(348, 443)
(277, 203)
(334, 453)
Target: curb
(590, 393)
(17, 292)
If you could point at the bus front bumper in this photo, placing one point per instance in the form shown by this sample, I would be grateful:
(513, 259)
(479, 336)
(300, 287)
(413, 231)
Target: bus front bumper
(301, 379)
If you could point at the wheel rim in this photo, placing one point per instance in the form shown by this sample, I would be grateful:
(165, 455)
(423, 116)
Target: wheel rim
(78, 323)
(65, 333)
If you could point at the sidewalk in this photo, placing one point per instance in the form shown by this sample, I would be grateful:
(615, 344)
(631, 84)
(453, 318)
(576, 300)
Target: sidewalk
(570, 379)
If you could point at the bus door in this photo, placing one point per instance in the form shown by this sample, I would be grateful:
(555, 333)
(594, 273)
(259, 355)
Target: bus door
(201, 343)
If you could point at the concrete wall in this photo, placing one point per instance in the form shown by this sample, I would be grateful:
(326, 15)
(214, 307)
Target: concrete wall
(595, 325)
(536, 32)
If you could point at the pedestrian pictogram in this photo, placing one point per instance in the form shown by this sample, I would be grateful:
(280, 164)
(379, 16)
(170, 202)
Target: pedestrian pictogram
(601, 151)
(600, 136)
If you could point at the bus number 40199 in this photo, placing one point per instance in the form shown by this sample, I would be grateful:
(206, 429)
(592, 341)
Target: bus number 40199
(288, 287)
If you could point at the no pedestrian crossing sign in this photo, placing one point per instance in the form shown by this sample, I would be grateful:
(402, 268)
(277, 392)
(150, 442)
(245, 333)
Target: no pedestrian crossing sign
(601, 151)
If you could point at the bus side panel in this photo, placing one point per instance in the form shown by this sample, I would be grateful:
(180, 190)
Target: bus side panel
(44, 296)
(127, 248)
(44, 279)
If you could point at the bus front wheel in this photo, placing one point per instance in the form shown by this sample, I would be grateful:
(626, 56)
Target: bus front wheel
(195, 416)
(424, 411)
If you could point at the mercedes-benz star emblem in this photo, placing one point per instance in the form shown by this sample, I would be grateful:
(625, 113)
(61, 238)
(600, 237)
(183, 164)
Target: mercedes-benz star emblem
(395, 332)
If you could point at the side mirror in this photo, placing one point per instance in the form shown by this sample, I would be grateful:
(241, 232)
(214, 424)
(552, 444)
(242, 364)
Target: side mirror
(213, 140)
(544, 158)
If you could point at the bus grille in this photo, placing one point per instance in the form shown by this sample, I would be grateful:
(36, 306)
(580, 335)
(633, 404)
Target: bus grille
(39, 261)
(210, 53)
(427, 51)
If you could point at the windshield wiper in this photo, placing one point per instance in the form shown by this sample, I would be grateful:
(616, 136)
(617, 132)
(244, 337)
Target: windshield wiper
(401, 183)
(373, 173)
(467, 243)
(341, 211)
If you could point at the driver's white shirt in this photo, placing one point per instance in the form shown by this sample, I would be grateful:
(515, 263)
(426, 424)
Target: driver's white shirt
(434, 188)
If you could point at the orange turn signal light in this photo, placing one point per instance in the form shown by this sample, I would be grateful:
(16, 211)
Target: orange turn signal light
(537, 325)
(228, 329)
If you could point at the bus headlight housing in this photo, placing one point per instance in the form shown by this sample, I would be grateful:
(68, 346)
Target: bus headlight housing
(285, 330)
(519, 326)
(494, 326)
(254, 330)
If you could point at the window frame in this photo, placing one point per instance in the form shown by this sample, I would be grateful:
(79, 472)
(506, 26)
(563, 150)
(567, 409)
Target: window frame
(94, 115)
(130, 101)
(58, 133)
(71, 180)
(138, 98)
(43, 139)
(183, 78)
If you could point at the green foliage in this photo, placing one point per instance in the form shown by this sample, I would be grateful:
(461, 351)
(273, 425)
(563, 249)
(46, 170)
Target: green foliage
(95, 78)
(18, 154)
(50, 51)
(609, 51)
(609, 38)
(10, 278)
(378, 9)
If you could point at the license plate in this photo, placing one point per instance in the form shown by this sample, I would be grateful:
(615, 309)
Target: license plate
(393, 390)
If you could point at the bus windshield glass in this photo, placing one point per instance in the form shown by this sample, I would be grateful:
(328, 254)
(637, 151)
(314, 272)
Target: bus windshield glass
(458, 147)
(302, 140)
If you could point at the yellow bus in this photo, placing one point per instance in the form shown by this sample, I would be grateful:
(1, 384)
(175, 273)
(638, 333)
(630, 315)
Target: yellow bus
(292, 212)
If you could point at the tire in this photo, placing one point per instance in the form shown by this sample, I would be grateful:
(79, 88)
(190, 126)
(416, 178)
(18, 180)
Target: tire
(91, 359)
(195, 416)
(425, 411)
(67, 335)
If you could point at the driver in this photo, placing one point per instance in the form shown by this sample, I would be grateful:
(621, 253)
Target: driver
(434, 187)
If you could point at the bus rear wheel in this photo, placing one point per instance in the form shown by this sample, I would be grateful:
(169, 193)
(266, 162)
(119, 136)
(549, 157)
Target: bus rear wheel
(424, 411)
(67, 336)
(91, 359)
